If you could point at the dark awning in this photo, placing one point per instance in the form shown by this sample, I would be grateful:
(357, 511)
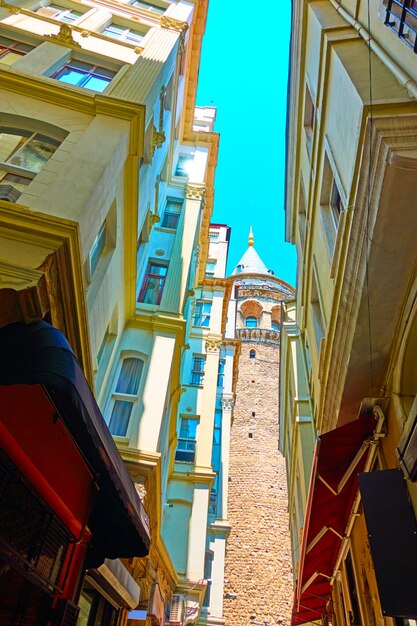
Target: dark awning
(392, 535)
(340, 455)
(39, 354)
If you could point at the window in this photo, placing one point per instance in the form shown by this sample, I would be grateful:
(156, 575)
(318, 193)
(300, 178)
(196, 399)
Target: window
(302, 215)
(59, 13)
(318, 322)
(183, 165)
(11, 50)
(197, 371)
(401, 17)
(97, 249)
(85, 75)
(210, 268)
(251, 322)
(252, 354)
(22, 155)
(214, 235)
(202, 313)
(330, 202)
(216, 462)
(274, 325)
(125, 395)
(220, 374)
(153, 284)
(187, 440)
(172, 213)
(149, 6)
(123, 34)
(309, 117)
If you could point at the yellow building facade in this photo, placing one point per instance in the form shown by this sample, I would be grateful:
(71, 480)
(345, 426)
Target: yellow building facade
(348, 340)
(106, 193)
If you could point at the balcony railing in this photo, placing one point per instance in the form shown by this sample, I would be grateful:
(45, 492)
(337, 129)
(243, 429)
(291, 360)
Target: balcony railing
(401, 17)
(267, 335)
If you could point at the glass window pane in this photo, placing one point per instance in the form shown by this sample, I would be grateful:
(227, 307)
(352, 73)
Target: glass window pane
(170, 220)
(34, 154)
(120, 417)
(129, 377)
(114, 31)
(251, 322)
(97, 249)
(96, 83)
(71, 76)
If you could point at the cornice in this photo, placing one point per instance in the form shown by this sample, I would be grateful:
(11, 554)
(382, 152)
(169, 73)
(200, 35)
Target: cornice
(160, 321)
(199, 475)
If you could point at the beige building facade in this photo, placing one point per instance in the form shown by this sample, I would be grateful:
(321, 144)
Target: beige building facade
(346, 396)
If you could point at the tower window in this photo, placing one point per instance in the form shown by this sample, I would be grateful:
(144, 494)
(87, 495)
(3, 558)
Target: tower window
(252, 354)
(251, 322)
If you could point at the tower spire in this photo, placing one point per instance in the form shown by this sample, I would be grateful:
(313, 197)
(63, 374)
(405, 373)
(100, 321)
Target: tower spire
(251, 240)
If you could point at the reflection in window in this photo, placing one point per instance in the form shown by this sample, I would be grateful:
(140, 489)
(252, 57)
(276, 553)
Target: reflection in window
(202, 314)
(85, 75)
(183, 165)
(25, 149)
(187, 440)
(11, 50)
(153, 284)
(251, 322)
(125, 395)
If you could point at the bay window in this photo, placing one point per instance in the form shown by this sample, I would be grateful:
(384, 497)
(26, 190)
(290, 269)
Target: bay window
(125, 395)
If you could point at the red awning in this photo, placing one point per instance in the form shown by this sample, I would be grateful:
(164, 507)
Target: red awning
(340, 455)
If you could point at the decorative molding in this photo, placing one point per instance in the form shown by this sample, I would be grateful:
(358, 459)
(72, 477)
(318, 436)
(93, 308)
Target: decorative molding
(159, 252)
(85, 33)
(153, 219)
(158, 138)
(195, 192)
(228, 404)
(173, 24)
(64, 37)
(213, 345)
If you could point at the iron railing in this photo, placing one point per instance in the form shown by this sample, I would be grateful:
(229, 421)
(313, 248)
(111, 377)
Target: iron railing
(267, 335)
(401, 17)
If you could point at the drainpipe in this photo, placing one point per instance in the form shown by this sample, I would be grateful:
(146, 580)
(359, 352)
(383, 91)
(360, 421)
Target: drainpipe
(402, 77)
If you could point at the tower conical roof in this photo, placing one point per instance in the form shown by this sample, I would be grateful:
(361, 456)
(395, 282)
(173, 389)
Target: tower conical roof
(251, 262)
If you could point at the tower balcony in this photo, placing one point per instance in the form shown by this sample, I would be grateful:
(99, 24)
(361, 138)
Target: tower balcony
(265, 335)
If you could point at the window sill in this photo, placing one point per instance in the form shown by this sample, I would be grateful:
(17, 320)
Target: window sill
(195, 386)
(164, 229)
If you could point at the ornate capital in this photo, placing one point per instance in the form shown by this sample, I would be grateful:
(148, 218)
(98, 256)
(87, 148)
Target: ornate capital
(213, 345)
(64, 37)
(227, 404)
(158, 138)
(173, 24)
(195, 192)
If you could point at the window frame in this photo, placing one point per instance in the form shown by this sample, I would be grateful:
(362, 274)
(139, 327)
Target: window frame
(132, 398)
(251, 317)
(189, 158)
(61, 12)
(221, 372)
(170, 203)
(5, 50)
(124, 35)
(203, 314)
(198, 373)
(137, 3)
(84, 73)
(148, 276)
(187, 440)
(210, 274)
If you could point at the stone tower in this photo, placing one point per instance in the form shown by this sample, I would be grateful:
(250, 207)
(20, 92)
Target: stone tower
(258, 576)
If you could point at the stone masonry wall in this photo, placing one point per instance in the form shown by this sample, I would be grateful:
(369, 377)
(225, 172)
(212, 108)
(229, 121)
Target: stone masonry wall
(258, 551)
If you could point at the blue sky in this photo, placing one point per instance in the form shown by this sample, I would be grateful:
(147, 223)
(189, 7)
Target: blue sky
(243, 73)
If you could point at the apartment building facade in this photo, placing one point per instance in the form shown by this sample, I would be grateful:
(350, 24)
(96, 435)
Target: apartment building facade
(347, 391)
(106, 193)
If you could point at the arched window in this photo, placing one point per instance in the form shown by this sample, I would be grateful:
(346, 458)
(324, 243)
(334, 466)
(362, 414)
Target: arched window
(251, 322)
(125, 395)
(274, 325)
(252, 354)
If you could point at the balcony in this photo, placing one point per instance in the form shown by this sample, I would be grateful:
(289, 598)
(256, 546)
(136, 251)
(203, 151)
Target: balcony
(264, 335)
